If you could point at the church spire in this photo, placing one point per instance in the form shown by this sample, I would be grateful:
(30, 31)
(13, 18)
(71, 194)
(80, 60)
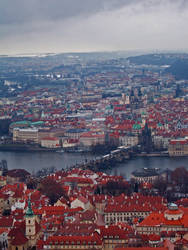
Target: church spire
(29, 212)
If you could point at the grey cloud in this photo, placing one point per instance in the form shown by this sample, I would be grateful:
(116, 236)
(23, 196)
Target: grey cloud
(78, 25)
(18, 11)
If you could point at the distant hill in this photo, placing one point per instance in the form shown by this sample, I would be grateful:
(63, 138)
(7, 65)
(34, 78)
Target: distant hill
(179, 69)
(156, 59)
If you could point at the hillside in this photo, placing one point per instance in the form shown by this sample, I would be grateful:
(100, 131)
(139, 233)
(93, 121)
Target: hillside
(156, 59)
(179, 69)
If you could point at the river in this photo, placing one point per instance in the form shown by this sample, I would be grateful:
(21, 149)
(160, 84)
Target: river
(38, 160)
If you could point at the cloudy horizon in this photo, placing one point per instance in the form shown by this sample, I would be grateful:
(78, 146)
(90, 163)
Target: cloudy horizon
(55, 26)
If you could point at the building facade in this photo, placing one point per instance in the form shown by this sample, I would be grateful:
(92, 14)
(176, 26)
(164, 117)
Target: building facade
(178, 147)
(25, 135)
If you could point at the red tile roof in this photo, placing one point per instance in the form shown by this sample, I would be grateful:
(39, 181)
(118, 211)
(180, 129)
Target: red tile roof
(143, 248)
(6, 222)
(74, 240)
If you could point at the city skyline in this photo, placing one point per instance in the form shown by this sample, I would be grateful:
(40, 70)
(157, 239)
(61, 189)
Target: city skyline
(84, 26)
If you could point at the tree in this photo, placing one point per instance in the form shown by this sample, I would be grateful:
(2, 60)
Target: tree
(32, 183)
(180, 176)
(4, 126)
(161, 185)
(117, 187)
(52, 189)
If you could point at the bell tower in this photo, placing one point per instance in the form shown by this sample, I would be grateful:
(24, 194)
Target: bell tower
(30, 232)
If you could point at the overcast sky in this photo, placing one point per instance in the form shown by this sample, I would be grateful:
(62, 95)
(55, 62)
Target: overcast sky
(29, 26)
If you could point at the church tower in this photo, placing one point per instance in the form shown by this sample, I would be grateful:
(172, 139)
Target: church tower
(30, 224)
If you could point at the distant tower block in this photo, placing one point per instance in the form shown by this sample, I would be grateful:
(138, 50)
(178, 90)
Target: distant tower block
(125, 99)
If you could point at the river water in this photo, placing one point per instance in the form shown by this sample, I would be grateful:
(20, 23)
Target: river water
(33, 161)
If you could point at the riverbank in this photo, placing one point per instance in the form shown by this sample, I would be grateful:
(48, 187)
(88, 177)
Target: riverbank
(32, 162)
(155, 154)
(24, 148)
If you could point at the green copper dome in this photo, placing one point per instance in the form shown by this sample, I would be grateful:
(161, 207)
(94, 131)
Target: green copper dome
(29, 212)
(136, 126)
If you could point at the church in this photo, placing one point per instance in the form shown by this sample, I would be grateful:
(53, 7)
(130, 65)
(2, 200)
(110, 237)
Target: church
(24, 234)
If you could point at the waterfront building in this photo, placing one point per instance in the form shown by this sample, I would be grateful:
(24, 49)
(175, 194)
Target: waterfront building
(89, 139)
(70, 143)
(178, 147)
(129, 140)
(148, 175)
(161, 141)
(50, 132)
(74, 133)
(50, 142)
(19, 124)
(25, 135)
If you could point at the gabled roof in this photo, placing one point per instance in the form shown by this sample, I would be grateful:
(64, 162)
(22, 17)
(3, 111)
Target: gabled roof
(6, 222)
(74, 240)
(112, 232)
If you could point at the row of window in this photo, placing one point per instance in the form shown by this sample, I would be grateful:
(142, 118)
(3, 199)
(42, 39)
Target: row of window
(124, 214)
(71, 247)
(74, 242)
(179, 152)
